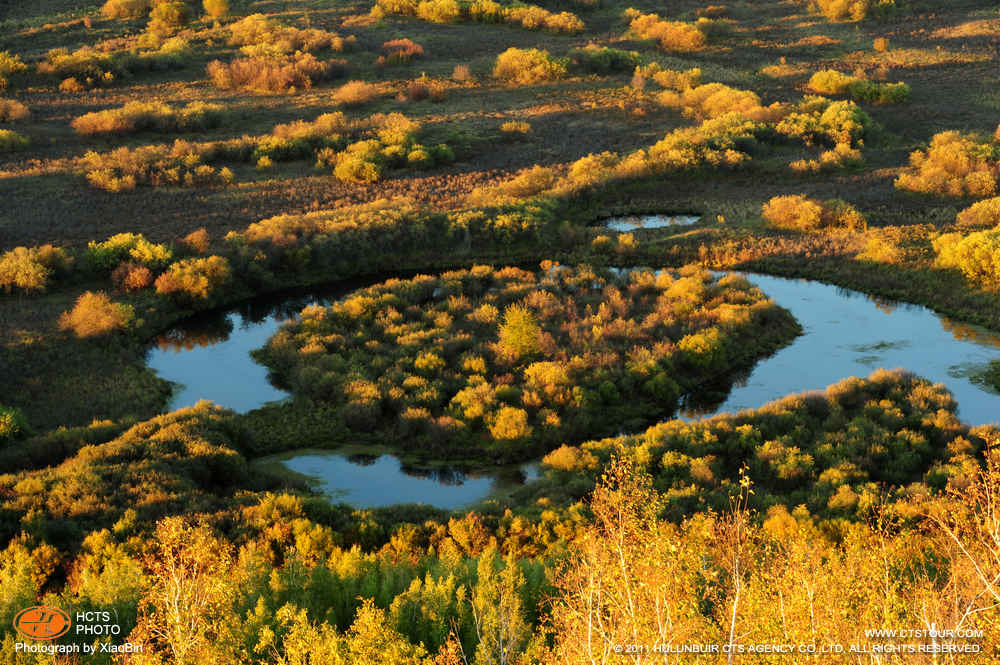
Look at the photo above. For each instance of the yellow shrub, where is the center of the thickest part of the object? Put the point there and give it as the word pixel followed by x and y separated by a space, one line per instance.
pixel 953 165
pixel 527 66
pixel 194 279
pixel 830 82
pixel 801 213
pixel 216 8
pixel 977 255
pixel 126 9
pixel 353 93
pixel 670 35
pixel 94 315
pixel 510 423
pixel 983 213
pixel 439 11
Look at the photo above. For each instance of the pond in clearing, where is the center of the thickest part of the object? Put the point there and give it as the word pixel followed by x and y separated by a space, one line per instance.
pixel 635 222
pixel 846 333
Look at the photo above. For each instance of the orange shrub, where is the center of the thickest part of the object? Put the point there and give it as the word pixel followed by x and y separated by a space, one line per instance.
pixel 12 110
pixel 399 51
pixel 197 242
pixel 281 75
pixel 216 8
pixel 954 165
pixel 95 315
pixel 670 35
pixel 131 276
pixel 462 73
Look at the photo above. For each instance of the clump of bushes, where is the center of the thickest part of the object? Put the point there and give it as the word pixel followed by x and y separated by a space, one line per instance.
pixel 527 16
pixel 216 9
pixel 389 142
pixel 12 110
pixel 515 128
pixel 399 52
pixel 126 9
pixel 841 156
pixel 668 78
pixel 195 279
pixel 510 361
pixel 976 255
pixel 286 74
pixel 29 269
pixel 104 257
pixel 604 60
pixel 260 36
pixel 670 35
pixel 167 16
pixel 151 116
pixel 955 164
pixel 832 82
pixel 96 315
pixel 11 141
pixel 155 165
pixel 527 66
pixel 851 10
pixel 713 100
pixel 354 93
pixel 800 213
pixel 88 67
pixel 982 213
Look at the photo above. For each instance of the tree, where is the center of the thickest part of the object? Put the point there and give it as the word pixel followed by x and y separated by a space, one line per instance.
pixel 497 611
pixel 216 8
pixel 520 334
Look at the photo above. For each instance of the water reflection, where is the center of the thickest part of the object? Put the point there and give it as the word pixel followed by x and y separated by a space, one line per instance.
pixel 635 222
pixel 369 481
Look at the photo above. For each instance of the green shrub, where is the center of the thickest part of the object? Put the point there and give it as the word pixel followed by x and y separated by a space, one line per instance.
pixel 13 424
pixel 103 257
pixel 976 255
pixel 11 141
pixel 527 66
pixel 604 60
pixel 95 315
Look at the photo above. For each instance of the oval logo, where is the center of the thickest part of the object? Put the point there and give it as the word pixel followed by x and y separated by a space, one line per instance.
pixel 42 622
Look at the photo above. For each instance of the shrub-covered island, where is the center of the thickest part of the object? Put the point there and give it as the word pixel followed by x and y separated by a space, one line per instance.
pixel 514 362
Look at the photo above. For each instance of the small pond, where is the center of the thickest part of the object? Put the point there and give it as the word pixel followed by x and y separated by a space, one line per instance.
pixel 372 481
pixel 634 222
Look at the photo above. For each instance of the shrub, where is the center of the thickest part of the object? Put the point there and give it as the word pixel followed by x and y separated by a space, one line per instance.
pixel 983 213
pixel 10 63
pixel 462 74
pixel 216 9
pixel 126 9
pixel 262 36
pixel 354 93
pixel 879 93
pixel 976 255
pixel 151 116
pixel 131 276
pixel 953 165
pixel 194 279
pixel 604 60
pixel 278 75
pixel 11 141
pixel 510 423
pixel 881 44
pixel 156 165
pixel 71 85
pixel 852 10
pixel 12 110
pixel 714 100
pixel 800 213
pixel 527 66
pixel 103 257
pixel 533 18
pixel 167 16
pixel 670 35
pixel 13 424
pixel 30 269
pixel 196 242
pixel 520 334
pixel 399 51
pixel 439 11
pixel 95 315
pixel 517 128
pixel 830 82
